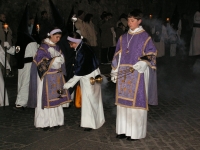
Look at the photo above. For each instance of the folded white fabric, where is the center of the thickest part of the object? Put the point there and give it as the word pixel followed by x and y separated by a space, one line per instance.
pixel 140 66
pixel 57 63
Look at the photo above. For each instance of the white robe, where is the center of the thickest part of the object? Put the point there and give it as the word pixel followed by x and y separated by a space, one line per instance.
pixel 92 114
pixel 2 61
pixel 2 58
pixel 195 44
pixel 2 92
pixel 47 117
pixel 24 76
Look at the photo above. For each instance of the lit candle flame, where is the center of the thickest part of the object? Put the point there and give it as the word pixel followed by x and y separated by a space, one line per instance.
pixel 150 16
pixel 5 26
pixel 167 19
pixel 38 27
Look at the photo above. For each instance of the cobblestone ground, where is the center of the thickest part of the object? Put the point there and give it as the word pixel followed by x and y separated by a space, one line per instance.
pixel 172 125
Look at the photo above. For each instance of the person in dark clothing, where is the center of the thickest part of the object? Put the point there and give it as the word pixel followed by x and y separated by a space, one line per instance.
pixel 45 25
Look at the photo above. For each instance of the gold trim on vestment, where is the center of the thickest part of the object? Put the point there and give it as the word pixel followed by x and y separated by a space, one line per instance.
pixel 55 99
pixel 135 93
pixel 136 89
pixel 120 50
pixel 41 48
pixel 48 68
pixel 131 106
pixel 47 93
pixel 58 105
pixel 145 44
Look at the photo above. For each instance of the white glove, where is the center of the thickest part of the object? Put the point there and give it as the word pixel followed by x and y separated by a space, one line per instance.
pixel 72 82
pixel 6 44
pixel 66 86
pixel 114 75
pixel 140 66
pixel 114 79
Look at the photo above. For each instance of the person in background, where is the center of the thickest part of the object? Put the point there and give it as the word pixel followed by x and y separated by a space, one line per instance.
pixel 30 25
pixel 9 40
pixel 108 41
pixel 81 25
pixel 195 44
pixel 92 33
pixel 119 31
pixel 159 36
pixel 45 25
pixel 11 50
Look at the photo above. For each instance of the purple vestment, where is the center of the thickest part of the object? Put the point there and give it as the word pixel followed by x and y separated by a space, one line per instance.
pixel 130 90
pixel 53 79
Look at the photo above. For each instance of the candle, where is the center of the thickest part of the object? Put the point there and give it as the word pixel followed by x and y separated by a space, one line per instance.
pixel 150 16
pixel 167 19
pixel 5 27
pixel 38 28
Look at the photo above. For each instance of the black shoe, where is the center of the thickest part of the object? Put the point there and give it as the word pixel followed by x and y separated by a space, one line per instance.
pixel 56 127
pixel 121 136
pixel 19 108
pixel 87 129
pixel 46 128
pixel 129 139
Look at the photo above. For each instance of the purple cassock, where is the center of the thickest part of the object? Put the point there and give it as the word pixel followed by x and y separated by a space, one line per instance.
pixel 130 90
pixel 53 79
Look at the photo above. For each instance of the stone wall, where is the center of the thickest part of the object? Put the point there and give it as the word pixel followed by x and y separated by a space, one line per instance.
pixel 14 8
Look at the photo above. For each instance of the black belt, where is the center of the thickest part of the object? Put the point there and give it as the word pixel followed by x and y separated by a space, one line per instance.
pixel 28 59
pixel 197 25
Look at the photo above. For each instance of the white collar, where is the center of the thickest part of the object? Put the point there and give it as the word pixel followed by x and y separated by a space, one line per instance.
pixel 47 40
pixel 136 29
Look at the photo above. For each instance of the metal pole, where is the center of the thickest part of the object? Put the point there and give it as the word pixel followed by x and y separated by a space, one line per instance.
pixel 4 98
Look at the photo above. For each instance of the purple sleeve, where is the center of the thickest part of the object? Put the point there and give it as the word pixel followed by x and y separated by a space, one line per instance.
pixel 150 52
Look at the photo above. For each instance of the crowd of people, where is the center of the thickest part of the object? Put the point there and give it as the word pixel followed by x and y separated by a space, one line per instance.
pixel 50 69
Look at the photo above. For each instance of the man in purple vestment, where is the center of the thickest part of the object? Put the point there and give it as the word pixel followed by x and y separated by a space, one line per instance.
pixel 134 71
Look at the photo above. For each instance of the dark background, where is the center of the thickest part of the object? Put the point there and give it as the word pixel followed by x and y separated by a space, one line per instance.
pixel 14 8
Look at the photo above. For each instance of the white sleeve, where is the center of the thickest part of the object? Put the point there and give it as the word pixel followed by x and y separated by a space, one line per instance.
pixel 72 82
pixel 114 72
pixel 140 66
pixel 11 50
